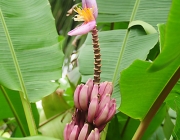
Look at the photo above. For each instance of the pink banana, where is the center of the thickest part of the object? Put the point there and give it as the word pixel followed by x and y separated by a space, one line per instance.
pixel 111 113
pixel 83 132
pixel 90 84
pixel 91 135
pixel 74 133
pixel 68 129
pixel 76 96
pixel 97 134
pixel 83 98
pixel 94 92
pixel 93 106
pixel 102 103
pixel 101 117
pixel 102 87
pixel 108 90
pixel 66 135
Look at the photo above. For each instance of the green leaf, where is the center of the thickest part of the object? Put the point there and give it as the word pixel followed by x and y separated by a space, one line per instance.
pixel 149 29
pixel 130 129
pixel 152 12
pixel 54 104
pixel 30 138
pixel 171 43
pixel 143 86
pixel 168 127
pixel 140 88
pixel 54 127
pixel 30 55
pixel 174 96
pixel 113 133
pixel 176 131
pixel 158 134
pixel 74 76
pixel 161 29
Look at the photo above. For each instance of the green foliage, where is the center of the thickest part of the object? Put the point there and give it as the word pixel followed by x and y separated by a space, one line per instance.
pixel 139 43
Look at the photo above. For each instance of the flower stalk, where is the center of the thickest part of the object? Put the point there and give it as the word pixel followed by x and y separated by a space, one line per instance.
pixel 97 56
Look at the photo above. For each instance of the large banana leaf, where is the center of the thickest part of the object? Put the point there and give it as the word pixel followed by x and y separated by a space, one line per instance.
pixel 30 55
pixel 143 86
pixel 119 48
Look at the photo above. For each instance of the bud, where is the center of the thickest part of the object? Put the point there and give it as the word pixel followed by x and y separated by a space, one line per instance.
pixel 94 92
pixel 83 98
pixel 101 117
pixel 93 106
pixel 83 132
pixel 74 133
pixel 91 135
pixel 76 96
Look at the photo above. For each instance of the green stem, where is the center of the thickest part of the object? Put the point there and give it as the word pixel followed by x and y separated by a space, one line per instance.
pixel 146 121
pixel 29 115
pixel 13 111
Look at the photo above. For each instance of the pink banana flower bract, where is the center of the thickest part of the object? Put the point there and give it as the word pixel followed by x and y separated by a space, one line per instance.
pixel 88 14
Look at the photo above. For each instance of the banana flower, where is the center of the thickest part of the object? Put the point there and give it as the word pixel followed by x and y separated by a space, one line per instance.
pixel 88 14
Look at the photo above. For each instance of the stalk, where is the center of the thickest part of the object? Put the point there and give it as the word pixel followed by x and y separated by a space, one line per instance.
pixel 97 56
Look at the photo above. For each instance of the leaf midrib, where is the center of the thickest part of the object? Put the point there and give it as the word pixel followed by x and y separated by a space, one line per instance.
pixel 13 54
pixel 116 72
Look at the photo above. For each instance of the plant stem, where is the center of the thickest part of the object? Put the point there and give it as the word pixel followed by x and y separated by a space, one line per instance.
pixel 145 122
pixel 29 115
pixel 97 56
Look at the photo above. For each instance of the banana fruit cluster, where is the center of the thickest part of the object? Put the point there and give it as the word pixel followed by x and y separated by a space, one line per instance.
pixel 94 109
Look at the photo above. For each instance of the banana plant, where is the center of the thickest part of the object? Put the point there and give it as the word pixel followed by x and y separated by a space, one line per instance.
pixel 129 48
